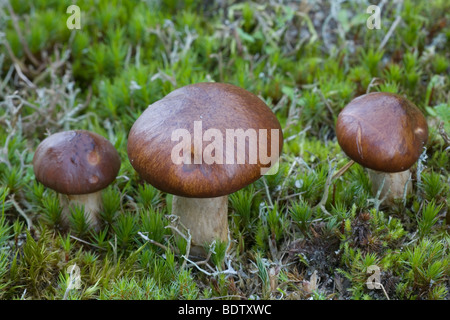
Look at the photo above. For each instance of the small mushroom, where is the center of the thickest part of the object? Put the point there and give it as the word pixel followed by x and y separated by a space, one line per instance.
pixel 77 164
pixel 385 133
pixel 181 145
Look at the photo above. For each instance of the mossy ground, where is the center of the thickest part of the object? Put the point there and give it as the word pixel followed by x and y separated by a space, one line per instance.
pixel 306 59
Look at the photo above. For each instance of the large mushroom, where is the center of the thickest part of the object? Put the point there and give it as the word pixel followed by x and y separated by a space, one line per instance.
pixel 77 164
pixel 201 143
pixel 385 133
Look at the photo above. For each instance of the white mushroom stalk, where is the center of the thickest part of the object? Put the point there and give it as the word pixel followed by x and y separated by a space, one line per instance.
pixel 91 204
pixel 205 218
pixel 391 186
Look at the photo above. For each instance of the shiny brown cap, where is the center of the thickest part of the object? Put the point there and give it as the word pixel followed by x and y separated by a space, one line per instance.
pixel 382 131
pixel 76 162
pixel 216 106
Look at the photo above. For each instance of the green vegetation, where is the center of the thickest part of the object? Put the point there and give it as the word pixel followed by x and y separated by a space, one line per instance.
pixel 294 235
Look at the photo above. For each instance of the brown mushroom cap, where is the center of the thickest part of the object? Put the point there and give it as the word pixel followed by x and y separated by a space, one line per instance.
pixel 76 162
pixel 382 131
pixel 218 106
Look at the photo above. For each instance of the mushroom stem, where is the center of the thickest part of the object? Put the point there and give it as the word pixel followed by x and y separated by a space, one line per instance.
pixel 396 184
pixel 92 203
pixel 205 218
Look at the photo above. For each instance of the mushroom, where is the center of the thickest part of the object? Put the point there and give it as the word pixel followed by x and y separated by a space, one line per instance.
pixel 77 164
pixel 184 145
pixel 385 133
